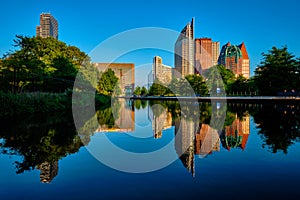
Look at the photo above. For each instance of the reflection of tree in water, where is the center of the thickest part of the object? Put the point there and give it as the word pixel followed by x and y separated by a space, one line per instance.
pixel 279 125
pixel 40 140
pixel 138 104
pixel 144 104
pixel 108 115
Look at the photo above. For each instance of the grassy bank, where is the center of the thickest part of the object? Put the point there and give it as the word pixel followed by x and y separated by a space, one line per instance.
pixel 37 102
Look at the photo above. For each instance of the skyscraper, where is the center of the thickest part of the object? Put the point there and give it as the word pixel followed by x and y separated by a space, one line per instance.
pixel 235 58
pixel 184 51
pixel 245 62
pixel 206 54
pixel 215 52
pixel 48 26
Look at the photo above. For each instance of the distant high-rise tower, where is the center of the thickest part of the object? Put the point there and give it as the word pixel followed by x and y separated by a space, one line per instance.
pixel 160 71
pixel 235 58
pixel 184 51
pixel 48 26
pixel 246 61
pixel 215 52
pixel 206 54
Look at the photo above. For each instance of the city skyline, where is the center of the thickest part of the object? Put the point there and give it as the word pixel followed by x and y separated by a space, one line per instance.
pixel 81 30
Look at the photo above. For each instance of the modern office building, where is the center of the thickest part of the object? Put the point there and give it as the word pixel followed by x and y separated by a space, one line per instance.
pixel 215 53
pixel 245 62
pixel 161 72
pixel 206 54
pixel 235 58
pixel 48 26
pixel 124 72
pixel 184 51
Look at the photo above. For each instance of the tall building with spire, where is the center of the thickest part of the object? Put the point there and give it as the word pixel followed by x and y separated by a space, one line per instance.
pixel 184 51
pixel 235 58
pixel 48 26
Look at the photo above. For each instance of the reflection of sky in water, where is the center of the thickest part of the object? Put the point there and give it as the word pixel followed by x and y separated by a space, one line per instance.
pixel 141 118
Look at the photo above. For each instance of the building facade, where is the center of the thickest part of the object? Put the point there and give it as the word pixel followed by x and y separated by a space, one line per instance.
pixel 235 58
pixel 124 72
pixel 206 54
pixel 161 72
pixel 215 52
pixel 48 26
pixel 184 51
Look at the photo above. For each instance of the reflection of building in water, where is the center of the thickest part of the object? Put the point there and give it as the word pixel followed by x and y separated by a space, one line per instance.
pixel 236 135
pixel 160 123
pixel 184 142
pixel 124 122
pixel 48 171
pixel 188 159
pixel 207 140
pixel 194 139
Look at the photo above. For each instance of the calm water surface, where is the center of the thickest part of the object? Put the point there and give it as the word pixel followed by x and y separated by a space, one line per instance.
pixel 233 151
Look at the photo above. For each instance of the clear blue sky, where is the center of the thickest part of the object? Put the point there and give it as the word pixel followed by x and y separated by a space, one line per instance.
pixel 261 24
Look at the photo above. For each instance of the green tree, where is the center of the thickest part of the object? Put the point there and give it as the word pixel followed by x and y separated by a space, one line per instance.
pixel 38 62
pixel 144 91
pixel 137 91
pixel 218 77
pixel 278 72
pixel 108 83
pixel 240 86
pixel 157 88
pixel 198 84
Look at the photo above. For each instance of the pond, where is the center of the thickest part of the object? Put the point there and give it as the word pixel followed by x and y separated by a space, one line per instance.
pixel 154 149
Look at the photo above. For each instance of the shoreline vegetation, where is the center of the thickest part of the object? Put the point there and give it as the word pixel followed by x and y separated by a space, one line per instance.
pixel 39 77
pixel 41 103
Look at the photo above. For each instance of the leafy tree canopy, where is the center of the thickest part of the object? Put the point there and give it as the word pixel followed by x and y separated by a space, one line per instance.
pixel 108 83
pixel 43 64
pixel 278 72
